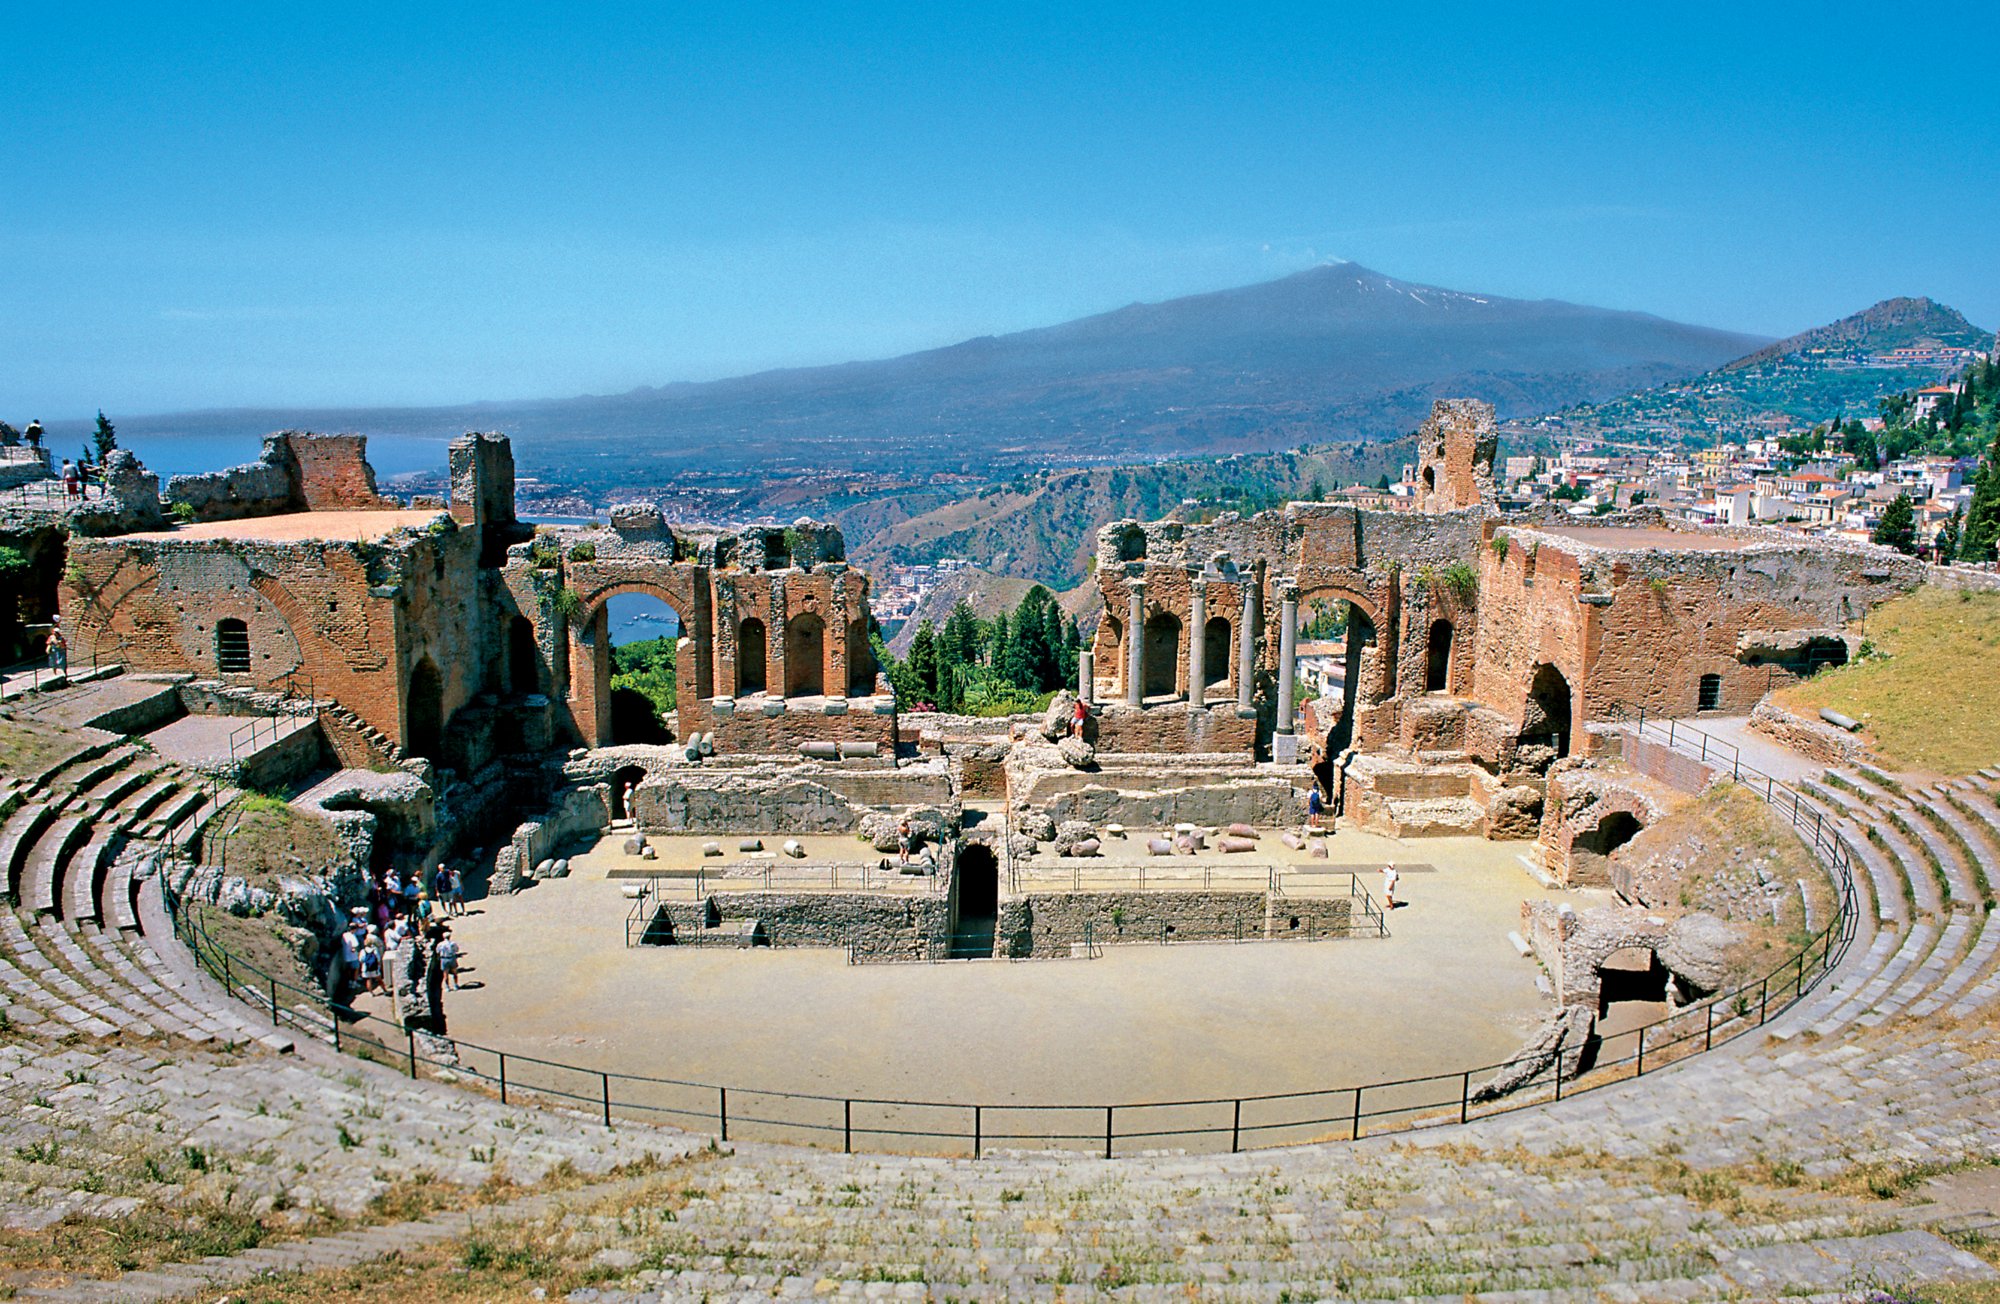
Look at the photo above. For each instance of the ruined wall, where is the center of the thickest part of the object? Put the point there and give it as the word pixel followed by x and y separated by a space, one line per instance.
pixel 1052 923
pixel 1581 796
pixel 876 928
pixel 297 471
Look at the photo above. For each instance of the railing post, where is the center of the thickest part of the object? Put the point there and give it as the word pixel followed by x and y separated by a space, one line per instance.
pixel 411 1033
pixel 1465 1096
pixel 1708 1033
pixel 1559 1075
pixel 503 1077
pixel 1764 1002
pixel 722 1111
pixel 1236 1129
pixel 976 1130
pixel 228 983
pixel 1639 1069
pixel 847 1127
pixel 274 1002
pixel 1355 1135
pixel 1108 1111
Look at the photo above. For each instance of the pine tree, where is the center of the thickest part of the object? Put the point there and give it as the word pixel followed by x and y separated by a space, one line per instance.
pixel 105 437
pixel 1898 526
pixel 9 437
pixel 998 650
pixel 961 634
pixel 1071 654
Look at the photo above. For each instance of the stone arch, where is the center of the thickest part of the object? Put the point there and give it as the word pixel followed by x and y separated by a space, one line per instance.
pixel 805 655
pixel 1111 651
pixel 1363 638
pixel 753 654
pixel 1162 654
pixel 1437 657
pixel 1546 716
pixel 423 711
pixel 590 651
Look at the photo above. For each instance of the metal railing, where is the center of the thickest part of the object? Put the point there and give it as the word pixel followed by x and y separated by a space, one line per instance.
pixel 970 1127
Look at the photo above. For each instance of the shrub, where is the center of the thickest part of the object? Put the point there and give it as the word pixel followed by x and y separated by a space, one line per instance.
pixel 583 552
pixel 568 603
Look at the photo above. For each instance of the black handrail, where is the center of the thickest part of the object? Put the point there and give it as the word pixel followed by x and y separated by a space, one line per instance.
pixel 1718 1019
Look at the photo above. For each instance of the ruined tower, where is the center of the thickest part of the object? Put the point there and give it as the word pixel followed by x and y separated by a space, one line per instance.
pixel 1455 448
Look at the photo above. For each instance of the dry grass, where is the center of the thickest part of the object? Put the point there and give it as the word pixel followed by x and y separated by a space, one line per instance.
pixel 27 749
pixel 262 839
pixel 1929 702
pixel 1705 854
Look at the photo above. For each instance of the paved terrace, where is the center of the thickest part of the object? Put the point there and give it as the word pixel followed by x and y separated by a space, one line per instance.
pixel 293 527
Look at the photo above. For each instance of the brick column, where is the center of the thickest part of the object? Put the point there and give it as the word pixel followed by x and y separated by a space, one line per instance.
pixel 1246 645
pixel 1135 643
pixel 1288 647
pixel 1197 640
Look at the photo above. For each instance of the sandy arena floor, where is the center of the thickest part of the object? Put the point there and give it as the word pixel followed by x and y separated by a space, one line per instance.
pixel 550 975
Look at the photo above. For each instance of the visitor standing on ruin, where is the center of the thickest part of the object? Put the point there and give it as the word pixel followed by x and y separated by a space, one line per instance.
pixel 371 963
pixel 1077 718
pixel 1314 808
pixel 447 954
pixel 455 898
pixel 903 843
pixel 71 482
pixel 1389 880
pixel 58 652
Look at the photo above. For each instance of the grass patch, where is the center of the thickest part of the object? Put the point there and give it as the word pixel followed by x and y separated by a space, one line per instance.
pixel 1927 701
pixel 261 838
pixel 27 749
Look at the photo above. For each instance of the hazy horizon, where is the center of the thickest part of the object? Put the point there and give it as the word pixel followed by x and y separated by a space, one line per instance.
pixel 221 208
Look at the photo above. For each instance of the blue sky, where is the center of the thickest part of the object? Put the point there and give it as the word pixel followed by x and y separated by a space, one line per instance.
pixel 259 205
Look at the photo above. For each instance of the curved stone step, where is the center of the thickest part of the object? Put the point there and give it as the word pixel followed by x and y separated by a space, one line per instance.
pixel 24 987
pixel 1915 946
pixel 1944 959
pixel 43 866
pixel 17 835
pixel 1978 964
pixel 1890 907
pixel 52 977
pixel 1958 890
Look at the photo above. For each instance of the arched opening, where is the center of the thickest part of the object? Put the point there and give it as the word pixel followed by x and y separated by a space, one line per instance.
pixel 860 660
pixel 978 877
pixel 1437 658
pixel 1360 640
pixel 423 735
pixel 1215 652
pixel 1430 479
pixel 1632 978
pixel 1545 718
pixel 524 672
pixel 805 655
pixel 232 647
pixel 1162 654
pixel 1110 664
pixel 1708 697
pixel 624 783
pixel 752 657
pixel 644 633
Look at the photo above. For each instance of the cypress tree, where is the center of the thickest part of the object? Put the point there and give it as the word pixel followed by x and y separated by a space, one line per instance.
pixel 1982 518
pixel 1947 539
pixel 105 436
pixel 924 663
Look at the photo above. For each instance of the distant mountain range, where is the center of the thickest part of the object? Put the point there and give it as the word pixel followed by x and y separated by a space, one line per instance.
pixel 1336 352
pixel 1841 370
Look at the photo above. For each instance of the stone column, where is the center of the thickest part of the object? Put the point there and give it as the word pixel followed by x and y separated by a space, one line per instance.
pixel 1135 643
pixel 1086 676
pixel 1197 669
pixel 1288 647
pixel 1246 645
